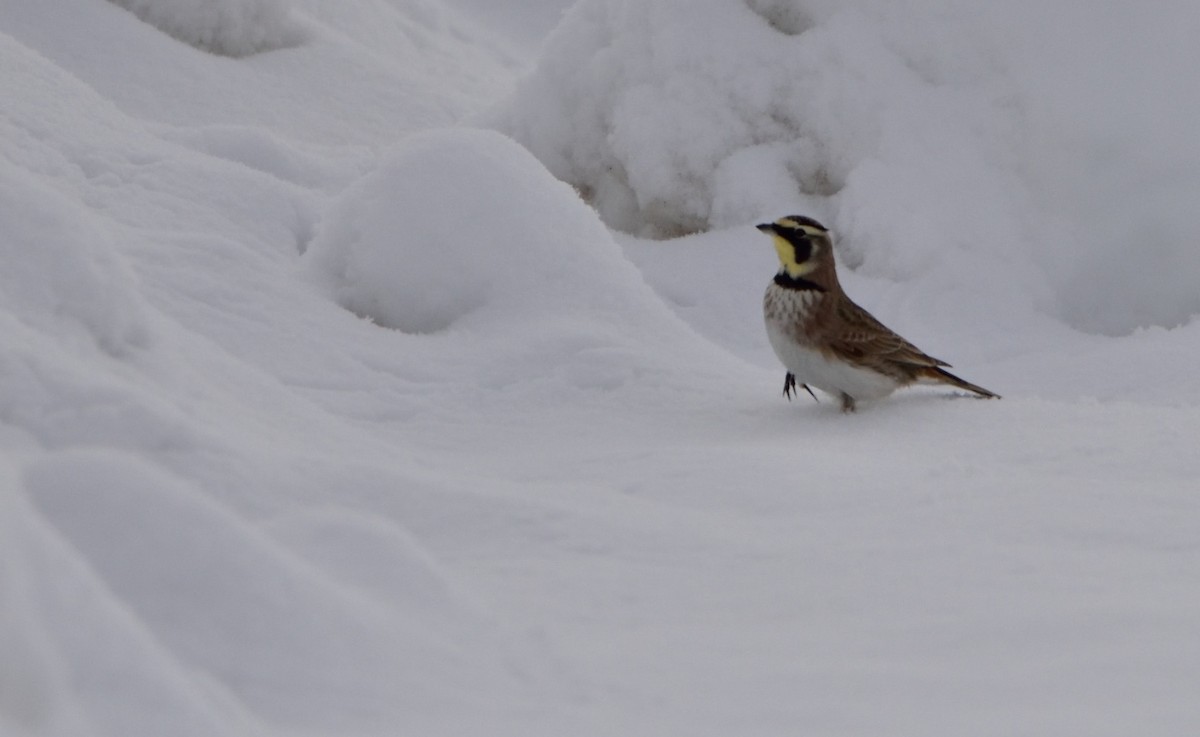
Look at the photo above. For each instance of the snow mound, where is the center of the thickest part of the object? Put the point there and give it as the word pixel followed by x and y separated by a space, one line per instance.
pixel 464 223
pixel 227 27
pixel 647 108
pixel 924 133
pixel 498 273
pixel 1110 150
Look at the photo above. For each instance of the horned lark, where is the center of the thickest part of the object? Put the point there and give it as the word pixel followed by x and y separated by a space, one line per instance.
pixel 826 340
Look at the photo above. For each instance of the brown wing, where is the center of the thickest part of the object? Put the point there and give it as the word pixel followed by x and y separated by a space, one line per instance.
pixel 855 336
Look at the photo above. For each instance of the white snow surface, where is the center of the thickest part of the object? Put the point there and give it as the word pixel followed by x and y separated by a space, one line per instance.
pixel 878 116
pixel 325 410
pixel 230 27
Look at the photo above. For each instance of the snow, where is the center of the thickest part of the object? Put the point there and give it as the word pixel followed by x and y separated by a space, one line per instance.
pixel 230 27
pixel 461 223
pixel 878 117
pixel 61 272
pixel 344 391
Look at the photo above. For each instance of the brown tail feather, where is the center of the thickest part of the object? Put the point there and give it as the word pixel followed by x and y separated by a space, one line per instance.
pixel 941 375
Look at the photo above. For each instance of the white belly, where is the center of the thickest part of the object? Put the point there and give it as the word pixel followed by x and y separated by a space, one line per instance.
pixel 812 368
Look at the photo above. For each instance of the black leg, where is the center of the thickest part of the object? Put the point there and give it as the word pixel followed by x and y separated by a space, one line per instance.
pixel 789 388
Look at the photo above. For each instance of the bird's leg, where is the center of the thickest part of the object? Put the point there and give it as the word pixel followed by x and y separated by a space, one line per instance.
pixel 789 386
pixel 847 402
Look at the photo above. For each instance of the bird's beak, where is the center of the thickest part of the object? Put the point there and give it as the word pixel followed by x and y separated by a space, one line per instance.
pixel 766 227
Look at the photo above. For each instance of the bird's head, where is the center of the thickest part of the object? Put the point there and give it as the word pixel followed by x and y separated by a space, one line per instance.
pixel 803 244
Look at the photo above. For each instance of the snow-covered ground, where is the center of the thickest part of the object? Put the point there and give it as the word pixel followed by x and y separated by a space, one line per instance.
pixel 329 407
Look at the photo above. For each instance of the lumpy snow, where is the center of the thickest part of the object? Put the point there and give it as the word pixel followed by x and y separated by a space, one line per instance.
pixel 879 117
pixel 351 383
pixel 462 223
pixel 230 27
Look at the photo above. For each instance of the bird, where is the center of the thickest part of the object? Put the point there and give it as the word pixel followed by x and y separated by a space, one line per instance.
pixel 824 339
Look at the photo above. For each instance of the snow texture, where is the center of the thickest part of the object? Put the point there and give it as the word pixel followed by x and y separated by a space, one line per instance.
pixel 323 412
pixel 457 223
pixel 674 117
pixel 229 27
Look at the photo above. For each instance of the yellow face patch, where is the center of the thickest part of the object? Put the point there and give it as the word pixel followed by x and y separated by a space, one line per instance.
pixel 787 257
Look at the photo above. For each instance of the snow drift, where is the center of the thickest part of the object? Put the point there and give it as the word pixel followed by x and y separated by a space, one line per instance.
pixel 459 222
pixel 876 117
pixel 463 234
pixel 322 415
pixel 144 588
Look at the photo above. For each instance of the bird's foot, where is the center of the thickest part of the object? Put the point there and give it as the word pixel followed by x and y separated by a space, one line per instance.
pixel 790 384
pixel 847 403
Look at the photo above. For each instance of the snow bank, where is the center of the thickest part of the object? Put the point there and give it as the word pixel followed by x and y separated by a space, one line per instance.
pixel 465 223
pixel 917 130
pixel 229 27
pixel 539 505
pixel 664 112
pixel 1104 121
pixel 462 233
pixel 147 272
pixel 460 222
